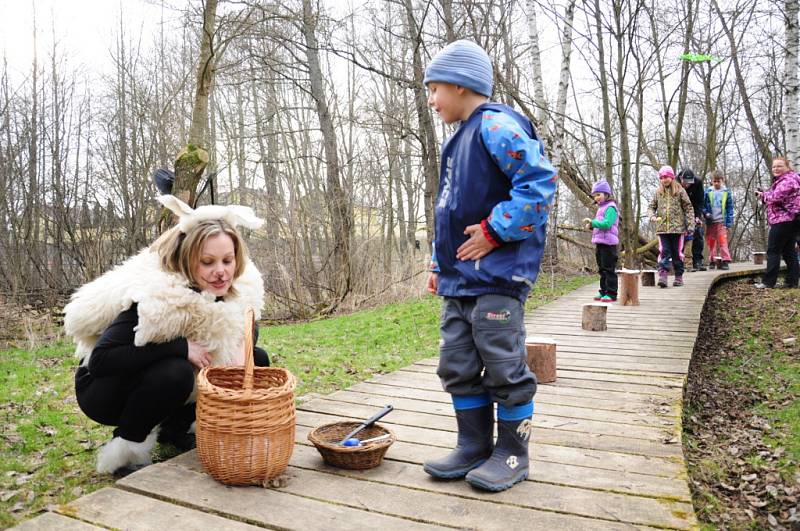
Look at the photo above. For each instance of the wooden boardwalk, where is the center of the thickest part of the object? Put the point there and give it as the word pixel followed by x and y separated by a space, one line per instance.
pixel 606 446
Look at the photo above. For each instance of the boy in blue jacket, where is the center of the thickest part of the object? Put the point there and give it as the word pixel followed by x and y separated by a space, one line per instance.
pixel 495 192
pixel 718 213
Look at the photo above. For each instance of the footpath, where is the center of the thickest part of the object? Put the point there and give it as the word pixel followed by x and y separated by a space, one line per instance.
pixel 606 445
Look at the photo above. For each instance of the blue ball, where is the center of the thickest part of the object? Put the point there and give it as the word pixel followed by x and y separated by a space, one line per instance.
pixel 352 441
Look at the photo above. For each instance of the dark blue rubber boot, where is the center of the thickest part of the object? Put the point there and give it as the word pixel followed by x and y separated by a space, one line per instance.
pixel 475 418
pixel 508 464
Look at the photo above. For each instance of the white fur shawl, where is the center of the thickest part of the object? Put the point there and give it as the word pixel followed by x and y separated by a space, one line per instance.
pixel 168 308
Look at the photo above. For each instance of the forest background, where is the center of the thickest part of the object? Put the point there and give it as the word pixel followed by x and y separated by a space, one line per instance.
pixel 314 114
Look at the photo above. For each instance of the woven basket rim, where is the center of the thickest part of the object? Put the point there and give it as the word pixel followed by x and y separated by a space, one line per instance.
pixel 209 388
pixel 319 443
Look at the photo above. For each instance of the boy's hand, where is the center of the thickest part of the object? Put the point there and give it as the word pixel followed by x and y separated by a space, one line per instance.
pixel 476 247
pixel 433 282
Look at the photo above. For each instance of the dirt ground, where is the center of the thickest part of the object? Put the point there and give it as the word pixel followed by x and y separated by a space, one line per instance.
pixel 741 475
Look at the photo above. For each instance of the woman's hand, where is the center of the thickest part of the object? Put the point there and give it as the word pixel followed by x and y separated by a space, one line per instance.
pixel 198 355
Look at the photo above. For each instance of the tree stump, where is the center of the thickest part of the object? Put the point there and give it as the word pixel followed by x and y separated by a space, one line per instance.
pixel 758 257
pixel 718 261
pixel 542 358
pixel 649 278
pixel 628 287
pixel 594 317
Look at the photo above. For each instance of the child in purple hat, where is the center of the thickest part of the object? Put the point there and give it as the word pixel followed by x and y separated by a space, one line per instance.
pixel 605 236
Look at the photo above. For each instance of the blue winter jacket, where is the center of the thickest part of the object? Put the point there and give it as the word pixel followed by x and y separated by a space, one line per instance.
pixel 493 173
pixel 727 205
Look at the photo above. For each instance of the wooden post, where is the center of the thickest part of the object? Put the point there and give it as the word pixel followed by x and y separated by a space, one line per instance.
pixel 758 257
pixel 542 358
pixel 594 317
pixel 649 278
pixel 629 287
pixel 718 261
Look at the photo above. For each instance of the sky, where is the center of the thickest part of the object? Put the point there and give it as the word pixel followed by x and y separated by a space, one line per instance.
pixel 83 29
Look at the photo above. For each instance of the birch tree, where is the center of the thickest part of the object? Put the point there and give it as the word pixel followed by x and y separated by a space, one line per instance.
pixel 791 86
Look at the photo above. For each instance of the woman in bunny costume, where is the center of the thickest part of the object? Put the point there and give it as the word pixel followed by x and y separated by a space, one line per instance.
pixel 144 328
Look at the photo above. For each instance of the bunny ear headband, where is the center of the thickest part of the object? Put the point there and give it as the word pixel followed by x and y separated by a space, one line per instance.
pixel 188 217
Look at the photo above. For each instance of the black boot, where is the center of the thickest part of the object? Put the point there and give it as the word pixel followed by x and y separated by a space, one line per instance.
pixel 509 462
pixel 474 444
pixel 175 429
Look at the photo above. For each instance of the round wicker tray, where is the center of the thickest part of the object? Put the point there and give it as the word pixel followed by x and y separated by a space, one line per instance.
pixel 327 438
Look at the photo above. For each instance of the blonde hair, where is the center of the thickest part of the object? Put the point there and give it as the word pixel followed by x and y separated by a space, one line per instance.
pixel 674 187
pixel 785 161
pixel 180 252
pixel 716 174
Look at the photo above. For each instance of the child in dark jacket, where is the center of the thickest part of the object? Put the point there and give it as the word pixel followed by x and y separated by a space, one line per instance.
pixel 495 192
pixel 605 236
pixel 718 214
pixel 693 185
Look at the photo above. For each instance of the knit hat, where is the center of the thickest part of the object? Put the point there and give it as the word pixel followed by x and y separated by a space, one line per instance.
pixel 462 63
pixel 601 186
pixel 666 171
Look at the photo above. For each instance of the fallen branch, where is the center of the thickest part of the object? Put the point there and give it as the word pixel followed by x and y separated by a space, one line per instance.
pixel 574 241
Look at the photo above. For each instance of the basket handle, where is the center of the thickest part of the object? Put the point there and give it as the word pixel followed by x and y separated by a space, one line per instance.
pixel 249 362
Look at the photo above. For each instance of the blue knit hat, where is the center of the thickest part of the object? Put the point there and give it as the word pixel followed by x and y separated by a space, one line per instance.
pixel 462 63
pixel 601 186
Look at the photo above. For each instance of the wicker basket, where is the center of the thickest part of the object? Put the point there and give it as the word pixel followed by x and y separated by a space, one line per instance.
pixel 327 438
pixel 245 419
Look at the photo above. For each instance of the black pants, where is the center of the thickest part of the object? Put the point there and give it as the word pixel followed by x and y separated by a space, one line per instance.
pixel 781 243
pixel 136 403
pixel 671 246
pixel 697 245
pixel 606 256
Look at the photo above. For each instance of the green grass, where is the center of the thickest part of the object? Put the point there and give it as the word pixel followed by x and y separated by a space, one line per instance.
pixel 752 359
pixel 766 366
pixel 47 443
pixel 49 446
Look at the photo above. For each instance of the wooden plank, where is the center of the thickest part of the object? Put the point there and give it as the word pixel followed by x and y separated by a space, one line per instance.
pixel 368 490
pixel 402 489
pixel 564 385
pixel 50 521
pixel 545 470
pixel 118 509
pixel 546 394
pixel 647 418
pixel 425 496
pixel 356 411
pixel 566 378
pixel 552 436
pixel 265 507
pixel 634 366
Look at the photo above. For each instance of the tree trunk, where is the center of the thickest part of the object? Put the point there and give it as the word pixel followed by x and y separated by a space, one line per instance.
pixel 740 83
pixel 791 86
pixel 337 203
pixel 674 154
pixel 601 62
pixel 430 152
pixel 192 160
pixel 536 65
pixel 630 226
